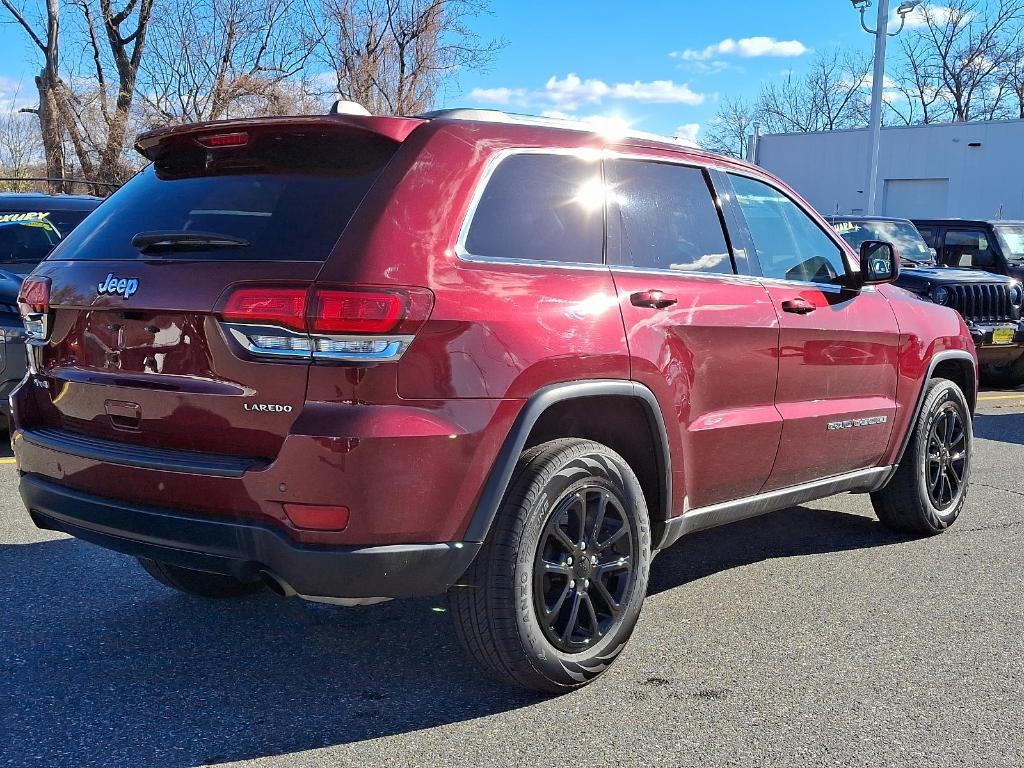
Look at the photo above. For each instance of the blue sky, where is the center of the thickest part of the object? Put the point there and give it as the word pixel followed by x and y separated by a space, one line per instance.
pixel 660 66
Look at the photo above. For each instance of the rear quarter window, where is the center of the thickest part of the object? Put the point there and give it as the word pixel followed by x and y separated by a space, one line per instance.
pixel 540 207
pixel 289 196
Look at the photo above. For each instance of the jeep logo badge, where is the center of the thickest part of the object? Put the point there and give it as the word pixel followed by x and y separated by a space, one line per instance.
pixel 118 286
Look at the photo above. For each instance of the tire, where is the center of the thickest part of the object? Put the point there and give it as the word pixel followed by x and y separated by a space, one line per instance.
pixel 533 562
pixel 198 583
pixel 920 497
pixel 1015 374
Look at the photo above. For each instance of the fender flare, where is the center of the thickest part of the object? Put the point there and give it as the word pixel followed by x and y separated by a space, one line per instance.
pixel 939 357
pixel 504 465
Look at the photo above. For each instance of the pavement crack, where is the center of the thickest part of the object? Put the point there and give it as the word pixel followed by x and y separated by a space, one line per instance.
pixel 997 488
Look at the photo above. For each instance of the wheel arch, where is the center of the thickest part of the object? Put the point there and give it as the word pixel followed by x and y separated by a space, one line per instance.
pixel 551 409
pixel 958 366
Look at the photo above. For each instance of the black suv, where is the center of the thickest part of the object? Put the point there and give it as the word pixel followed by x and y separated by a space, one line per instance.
pixel 990 303
pixel 994 246
pixel 31 225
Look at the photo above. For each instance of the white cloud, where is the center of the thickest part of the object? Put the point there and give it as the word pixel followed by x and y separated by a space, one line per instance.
pixel 572 91
pixel 940 15
pixel 745 48
pixel 498 95
pixel 687 132
pixel 14 94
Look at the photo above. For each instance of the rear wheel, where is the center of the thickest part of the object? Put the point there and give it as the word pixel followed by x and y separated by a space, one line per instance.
pixel 200 583
pixel 929 489
pixel 556 590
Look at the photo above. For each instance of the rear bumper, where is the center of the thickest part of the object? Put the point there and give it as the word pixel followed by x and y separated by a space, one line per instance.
pixel 245 550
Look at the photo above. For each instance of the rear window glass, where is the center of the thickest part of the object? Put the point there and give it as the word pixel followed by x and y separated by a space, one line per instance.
pixel 541 207
pixel 26 237
pixel 282 198
pixel 667 218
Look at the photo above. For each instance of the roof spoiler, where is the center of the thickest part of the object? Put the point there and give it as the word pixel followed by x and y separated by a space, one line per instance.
pixel 397 129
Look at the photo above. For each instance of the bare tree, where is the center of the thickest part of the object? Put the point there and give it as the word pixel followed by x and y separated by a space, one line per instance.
pixel 93 116
pixel 213 59
pixel 728 132
pixel 954 65
pixel 21 149
pixel 831 95
pixel 48 85
pixel 392 56
pixel 1013 80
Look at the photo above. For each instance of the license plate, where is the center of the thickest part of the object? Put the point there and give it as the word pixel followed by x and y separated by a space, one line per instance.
pixel 1003 336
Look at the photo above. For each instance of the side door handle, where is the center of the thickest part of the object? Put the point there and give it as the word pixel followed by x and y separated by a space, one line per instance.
pixel 654 299
pixel 798 306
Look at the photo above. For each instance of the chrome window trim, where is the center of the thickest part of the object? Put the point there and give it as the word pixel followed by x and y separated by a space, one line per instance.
pixel 601 155
pixel 485 178
pixel 598 155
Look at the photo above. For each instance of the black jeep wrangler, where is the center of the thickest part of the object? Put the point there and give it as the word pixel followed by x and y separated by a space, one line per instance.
pixel 990 303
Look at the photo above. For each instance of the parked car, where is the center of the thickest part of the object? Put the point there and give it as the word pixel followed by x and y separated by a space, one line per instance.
pixel 357 358
pixel 31 225
pixel 990 303
pixel 993 246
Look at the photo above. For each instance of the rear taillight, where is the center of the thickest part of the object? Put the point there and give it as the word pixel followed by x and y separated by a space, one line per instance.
pixel 343 311
pixel 325 323
pixel 34 305
pixel 277 306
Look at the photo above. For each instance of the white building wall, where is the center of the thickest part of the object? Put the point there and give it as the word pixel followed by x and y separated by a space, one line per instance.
pixel 924 171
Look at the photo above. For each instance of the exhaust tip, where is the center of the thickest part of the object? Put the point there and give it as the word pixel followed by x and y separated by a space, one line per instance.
pixel 276 585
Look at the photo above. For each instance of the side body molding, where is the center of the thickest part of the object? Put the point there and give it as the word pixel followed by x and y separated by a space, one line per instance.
pixel 504 465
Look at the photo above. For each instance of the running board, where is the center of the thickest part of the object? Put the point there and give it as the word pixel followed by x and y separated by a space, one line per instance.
pixel 702 518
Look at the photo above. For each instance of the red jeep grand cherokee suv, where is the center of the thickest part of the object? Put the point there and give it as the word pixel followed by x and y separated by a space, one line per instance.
pixel 354 358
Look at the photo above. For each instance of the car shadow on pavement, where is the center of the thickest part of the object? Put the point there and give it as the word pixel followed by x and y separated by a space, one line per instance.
pixel 1000 427
pixel 791 532
pixel 100 665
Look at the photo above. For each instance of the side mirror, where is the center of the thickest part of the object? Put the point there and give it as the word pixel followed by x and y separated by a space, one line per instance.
pixel 879 263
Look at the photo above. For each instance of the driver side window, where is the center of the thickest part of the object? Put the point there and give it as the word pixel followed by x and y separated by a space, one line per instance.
pixel 789 245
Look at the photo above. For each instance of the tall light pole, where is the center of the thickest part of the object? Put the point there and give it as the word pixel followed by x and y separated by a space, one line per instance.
pixel 882 35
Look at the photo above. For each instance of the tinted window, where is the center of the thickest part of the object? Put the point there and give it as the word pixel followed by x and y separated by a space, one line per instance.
pixel 967 248
pixel 289 197
pixel 902 234
pixel 667 218
pixel 1011 237
pixel 27 236
pixel 930 236
pixel 789 245
pixel 542 207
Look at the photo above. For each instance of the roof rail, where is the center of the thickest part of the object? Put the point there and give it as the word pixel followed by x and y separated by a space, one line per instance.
pixel 513 118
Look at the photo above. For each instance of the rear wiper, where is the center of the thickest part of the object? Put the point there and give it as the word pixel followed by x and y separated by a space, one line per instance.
pixel 155 242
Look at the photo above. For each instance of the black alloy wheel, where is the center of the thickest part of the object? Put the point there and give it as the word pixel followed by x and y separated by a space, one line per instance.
pixel 583 570
pixel 946 457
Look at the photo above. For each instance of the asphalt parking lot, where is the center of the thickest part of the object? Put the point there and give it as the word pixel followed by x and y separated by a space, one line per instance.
pixel 809 637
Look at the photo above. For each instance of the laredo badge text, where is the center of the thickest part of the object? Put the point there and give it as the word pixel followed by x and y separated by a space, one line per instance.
pixel 869 421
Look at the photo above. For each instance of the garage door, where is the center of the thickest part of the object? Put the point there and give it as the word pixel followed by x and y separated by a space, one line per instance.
pixel 916 198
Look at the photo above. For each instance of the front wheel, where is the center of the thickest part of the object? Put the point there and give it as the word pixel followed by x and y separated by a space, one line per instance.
pixel 557 588
pixel 929 489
